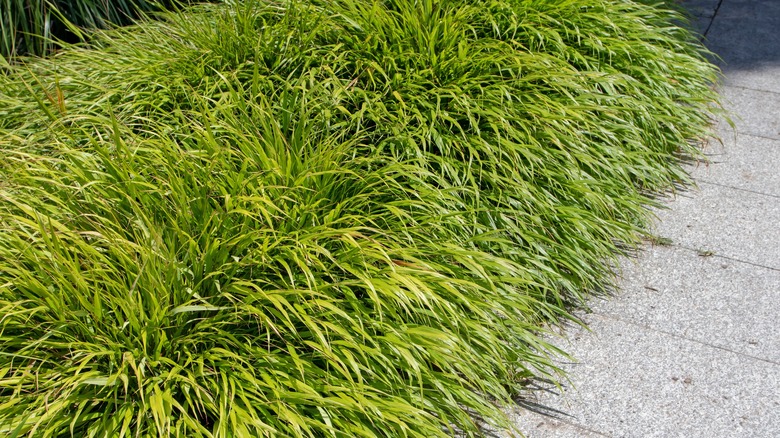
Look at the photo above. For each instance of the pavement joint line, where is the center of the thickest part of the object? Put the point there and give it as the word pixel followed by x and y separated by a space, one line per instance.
pixel 698 251
pixel 685 338
pixel 777 138
pixel 712 20
pixel 753 134
pixel 691 192
pixel 707 155
pixel 764 137
pixel 771 195
pixel 573 424
pixel 742 87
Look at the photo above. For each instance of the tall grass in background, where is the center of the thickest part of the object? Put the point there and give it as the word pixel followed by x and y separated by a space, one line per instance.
pixel 319 218
pixel 30 27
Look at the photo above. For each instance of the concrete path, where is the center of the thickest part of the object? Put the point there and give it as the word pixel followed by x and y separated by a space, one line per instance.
pixel 690 347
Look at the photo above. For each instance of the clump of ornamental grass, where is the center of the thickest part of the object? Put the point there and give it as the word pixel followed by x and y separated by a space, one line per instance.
pixel 244 275
pixel 325 218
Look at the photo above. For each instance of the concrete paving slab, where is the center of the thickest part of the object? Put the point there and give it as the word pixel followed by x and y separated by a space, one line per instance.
pixel 746 45
pixel 716 301
pixel 750 53
pixel 742 161
pixel 635 382
pixel 701 8
pixel 701 13
pixel 727 222
pixel 699 25
pixel 761 77
pixel 755 112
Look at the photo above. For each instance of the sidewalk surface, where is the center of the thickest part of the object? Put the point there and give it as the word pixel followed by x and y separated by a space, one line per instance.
pixel 690 346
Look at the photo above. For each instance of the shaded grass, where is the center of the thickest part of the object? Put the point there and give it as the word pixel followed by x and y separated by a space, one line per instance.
pixel 325 218
pixel 32 27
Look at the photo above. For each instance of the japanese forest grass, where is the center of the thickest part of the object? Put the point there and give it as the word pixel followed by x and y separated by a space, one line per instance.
pixel 325 218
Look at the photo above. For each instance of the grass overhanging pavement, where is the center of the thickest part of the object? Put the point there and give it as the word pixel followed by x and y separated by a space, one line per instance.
pixel 325 218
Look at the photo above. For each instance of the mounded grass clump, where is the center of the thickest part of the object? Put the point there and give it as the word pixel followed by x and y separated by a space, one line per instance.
pixel 325 218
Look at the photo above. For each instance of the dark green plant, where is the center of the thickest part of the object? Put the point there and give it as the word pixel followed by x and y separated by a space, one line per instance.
pixel 30 27
pixel 325 218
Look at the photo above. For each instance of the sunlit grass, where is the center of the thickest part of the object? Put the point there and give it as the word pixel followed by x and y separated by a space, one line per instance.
pixel 325 218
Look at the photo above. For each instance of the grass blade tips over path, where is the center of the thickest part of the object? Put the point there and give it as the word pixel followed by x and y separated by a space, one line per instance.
pixel 325 218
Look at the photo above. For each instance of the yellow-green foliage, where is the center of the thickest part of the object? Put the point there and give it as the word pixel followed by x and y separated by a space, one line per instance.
pixel 325 218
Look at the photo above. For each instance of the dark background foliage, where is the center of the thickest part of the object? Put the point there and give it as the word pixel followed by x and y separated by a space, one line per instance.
pixel 29 27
